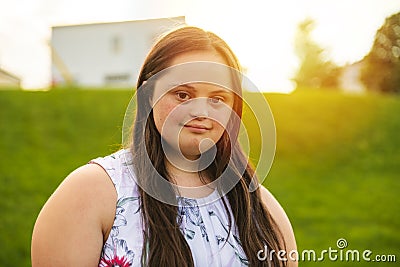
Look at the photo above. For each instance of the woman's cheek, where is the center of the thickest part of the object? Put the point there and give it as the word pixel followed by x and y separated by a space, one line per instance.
pixel 162 113
pixel 221 117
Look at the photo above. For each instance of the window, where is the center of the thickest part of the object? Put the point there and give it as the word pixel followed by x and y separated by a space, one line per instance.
pixel 116 44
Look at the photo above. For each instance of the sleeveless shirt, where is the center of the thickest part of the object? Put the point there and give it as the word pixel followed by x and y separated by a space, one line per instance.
pixel 203 222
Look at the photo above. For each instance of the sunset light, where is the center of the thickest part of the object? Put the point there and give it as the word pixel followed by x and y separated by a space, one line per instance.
pixel 260 32
pixel 199 133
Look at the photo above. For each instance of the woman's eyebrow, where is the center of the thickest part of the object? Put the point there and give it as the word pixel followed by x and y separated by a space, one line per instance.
pixel 194 89
pixel 188 86
pixel 222 91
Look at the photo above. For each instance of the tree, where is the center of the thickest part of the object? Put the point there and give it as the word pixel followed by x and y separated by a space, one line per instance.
pixel 381 71
pixel 315 71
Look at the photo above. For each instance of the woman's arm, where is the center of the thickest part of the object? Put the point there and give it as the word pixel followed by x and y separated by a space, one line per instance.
pixel 71 227
pixel 280 217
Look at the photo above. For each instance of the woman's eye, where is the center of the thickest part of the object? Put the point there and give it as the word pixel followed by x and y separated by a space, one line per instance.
pixel 183 95
pixel 216 100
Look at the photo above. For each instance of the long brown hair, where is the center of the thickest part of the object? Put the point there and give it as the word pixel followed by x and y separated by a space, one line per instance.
pixel 164 244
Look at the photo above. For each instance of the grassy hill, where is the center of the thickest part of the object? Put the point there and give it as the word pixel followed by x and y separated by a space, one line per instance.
pixel 336 169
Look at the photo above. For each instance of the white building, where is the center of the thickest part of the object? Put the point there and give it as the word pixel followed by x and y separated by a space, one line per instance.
pixel 104 54
pixel 8 80
pixel 349 81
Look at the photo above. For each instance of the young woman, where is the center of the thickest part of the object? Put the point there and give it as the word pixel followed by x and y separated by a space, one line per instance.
pixel 179 195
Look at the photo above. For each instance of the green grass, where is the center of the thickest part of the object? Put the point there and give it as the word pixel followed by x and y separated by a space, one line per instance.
pixel 335 171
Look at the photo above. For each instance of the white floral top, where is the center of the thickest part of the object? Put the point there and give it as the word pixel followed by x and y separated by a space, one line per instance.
pixel 204 223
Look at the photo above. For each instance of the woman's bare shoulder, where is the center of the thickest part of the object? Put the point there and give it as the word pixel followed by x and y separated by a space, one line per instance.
pixel 73 223
pixel 280 217
pixel 88 187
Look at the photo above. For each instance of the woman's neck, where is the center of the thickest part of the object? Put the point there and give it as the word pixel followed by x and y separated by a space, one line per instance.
pixel 190 183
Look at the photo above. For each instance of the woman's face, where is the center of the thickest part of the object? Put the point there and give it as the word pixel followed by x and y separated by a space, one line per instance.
pixel 192 117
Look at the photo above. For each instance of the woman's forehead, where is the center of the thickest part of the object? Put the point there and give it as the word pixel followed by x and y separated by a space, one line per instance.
pixel 198 55
pixel 193 74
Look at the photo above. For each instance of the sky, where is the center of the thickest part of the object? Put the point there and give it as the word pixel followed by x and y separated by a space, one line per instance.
pixel 261 32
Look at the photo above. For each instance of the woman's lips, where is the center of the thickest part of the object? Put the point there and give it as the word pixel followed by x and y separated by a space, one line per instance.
pixel 197 128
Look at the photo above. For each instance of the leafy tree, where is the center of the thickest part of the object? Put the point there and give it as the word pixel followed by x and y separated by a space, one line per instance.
pixel 315 71
pixel 381 71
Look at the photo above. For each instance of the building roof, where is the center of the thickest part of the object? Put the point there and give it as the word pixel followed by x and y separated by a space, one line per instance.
pixel 179 18
pixel 9 76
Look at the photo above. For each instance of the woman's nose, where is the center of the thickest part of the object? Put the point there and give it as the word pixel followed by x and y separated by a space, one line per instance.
pixel 198 107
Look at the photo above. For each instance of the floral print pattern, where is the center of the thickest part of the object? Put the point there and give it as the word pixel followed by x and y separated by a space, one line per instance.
pixel 204 226
pixel 189 209
pixel 118 254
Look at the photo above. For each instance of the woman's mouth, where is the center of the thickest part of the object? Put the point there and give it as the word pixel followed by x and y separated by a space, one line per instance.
pixel 197 128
